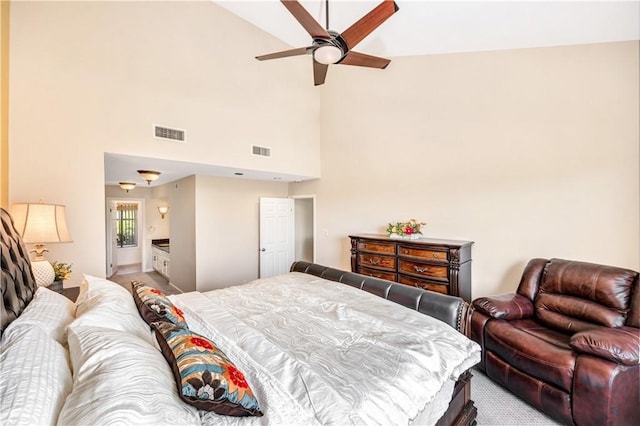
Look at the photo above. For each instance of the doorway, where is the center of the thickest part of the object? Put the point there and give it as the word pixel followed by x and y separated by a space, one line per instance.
pixel 287 233
pixel 304 226
pixel 125 237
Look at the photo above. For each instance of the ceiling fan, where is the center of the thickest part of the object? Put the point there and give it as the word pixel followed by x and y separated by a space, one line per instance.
pixel 329 47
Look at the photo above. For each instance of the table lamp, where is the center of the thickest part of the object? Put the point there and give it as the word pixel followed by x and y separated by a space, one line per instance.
pixel 41 224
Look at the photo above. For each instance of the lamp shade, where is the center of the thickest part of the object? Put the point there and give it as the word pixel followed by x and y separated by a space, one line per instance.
pixel 327 54
pixel 41 223
pixel 163 210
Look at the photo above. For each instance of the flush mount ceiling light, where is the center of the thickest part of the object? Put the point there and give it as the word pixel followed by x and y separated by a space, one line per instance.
pixel 127 185
pixel 149 175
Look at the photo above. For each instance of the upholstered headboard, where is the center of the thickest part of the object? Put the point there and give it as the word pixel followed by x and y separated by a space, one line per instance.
pixel 18 283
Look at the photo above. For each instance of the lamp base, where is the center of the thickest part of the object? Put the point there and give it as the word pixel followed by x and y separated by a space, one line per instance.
pixel 43 272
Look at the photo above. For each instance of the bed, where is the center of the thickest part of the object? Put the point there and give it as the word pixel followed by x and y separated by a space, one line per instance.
pixel 315 346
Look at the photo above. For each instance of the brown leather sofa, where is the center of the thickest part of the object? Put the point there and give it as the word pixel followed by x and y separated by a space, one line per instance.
pixel 567 341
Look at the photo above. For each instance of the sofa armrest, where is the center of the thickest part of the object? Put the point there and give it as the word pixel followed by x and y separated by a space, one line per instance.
pixel 505 306
pixel 620 344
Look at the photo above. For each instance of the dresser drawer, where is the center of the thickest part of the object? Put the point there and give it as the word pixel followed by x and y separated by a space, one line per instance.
pixel 377 274
pixel 430 254
pixel 435 264
pixel 377 247
pixel 437 272
pixel 428 285
pixel 376 261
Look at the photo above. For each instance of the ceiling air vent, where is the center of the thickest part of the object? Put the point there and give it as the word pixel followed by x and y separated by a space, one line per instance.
pixel 262 151
pixel 169 134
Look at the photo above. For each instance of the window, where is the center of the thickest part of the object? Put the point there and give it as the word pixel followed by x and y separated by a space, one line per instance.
pixel 127 225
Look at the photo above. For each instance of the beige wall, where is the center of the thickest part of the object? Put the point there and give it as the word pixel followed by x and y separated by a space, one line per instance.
pixel 182 223
pixel 304 229
pixel 529 153
pixel 93 77
pixel 227 223
pixel 4 104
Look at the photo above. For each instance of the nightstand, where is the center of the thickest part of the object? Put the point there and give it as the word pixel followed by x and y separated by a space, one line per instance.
pixel 71 293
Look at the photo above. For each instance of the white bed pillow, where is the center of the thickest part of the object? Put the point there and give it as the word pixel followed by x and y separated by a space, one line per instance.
pixel 103 303
pixel 35 378
pixel 49 311
pixel 120 379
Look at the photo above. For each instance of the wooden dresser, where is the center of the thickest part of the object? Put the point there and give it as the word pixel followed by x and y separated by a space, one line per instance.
pixel 438 265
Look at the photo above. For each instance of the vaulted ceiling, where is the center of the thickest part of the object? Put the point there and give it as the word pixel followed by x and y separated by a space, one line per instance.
pixel 423 27
pixel 419 28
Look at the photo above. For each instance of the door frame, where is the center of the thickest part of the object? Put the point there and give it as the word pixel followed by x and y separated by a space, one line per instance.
pixel 141 228
pixel 313 230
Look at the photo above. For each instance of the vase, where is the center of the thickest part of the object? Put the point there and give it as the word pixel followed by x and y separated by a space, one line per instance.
pixel 56 286
pixel 404 237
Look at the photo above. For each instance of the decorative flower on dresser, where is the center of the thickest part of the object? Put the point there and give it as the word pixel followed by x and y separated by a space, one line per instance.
pixel 410 230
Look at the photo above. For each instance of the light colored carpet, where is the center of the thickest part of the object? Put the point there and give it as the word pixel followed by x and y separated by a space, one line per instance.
pixel 498 407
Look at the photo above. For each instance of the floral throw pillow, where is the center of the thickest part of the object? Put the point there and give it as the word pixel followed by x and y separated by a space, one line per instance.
pixel 154 305
pixel 205 377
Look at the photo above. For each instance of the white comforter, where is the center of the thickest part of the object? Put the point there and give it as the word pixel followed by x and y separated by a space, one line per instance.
pixel 315 351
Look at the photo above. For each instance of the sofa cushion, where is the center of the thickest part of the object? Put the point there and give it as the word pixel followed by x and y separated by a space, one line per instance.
pixel 505 306
pixel 577 296
pixel 620 345
pixel 534 349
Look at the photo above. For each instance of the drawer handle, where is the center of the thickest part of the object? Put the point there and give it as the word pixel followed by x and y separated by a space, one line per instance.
pixel 374 261
pixel 375 275
pixel 420 270
pixel 405 251
pixel 436 255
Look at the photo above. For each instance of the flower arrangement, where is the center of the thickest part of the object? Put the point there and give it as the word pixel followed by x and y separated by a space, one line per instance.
pixel 62 270
pixel 411 227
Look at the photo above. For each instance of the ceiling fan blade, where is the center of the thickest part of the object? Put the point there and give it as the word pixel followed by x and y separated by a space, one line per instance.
pixel 362 60
pixel 319 72
pixel 369 22
pixel 312 26
pixel 285 53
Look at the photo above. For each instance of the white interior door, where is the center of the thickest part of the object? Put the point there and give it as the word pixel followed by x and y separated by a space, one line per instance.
pixel 277 243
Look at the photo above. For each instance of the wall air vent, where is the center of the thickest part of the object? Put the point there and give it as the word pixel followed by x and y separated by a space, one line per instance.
pixel 167 133
pixel 262 151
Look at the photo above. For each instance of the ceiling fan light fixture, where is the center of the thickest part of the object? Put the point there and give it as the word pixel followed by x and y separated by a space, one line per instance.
pixel 149 175
pixel 327 54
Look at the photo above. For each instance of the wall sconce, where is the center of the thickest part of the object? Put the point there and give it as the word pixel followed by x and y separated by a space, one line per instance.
pixel 127 185
pixel 149 175
pixel 163 210
pixel 40 223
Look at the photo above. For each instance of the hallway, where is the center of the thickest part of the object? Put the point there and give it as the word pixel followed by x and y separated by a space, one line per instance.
pixel 152 279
